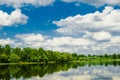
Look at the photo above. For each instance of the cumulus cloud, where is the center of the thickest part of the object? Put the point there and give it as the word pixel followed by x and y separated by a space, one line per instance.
pixel 31 40
pixel 61 41
pixel 104 41
pixel 97 27
pixel 96 3
pixel 20 3
pixel 6 41
pixel 107 20
pixel 98 36
pixel 30 37
pixel 16 17
pixel 66 44
pixel 101 36
pixel 115 39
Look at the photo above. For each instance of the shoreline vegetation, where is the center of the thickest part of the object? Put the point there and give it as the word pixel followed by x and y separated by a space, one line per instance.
pixel 11 56
pixel 53 62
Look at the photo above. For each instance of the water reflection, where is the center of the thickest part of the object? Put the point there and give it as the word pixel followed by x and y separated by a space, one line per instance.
pixel 70 71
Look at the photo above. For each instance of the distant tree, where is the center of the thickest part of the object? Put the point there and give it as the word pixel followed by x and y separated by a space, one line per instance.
pixel 114 56
pixel 4 58
pixel 106 55
pixel 14 58
pixel 7 49
pixel 16 50
pixel 0 49
pixel 25 54
pixel 42 53
pixel 89 55
pixel 118 56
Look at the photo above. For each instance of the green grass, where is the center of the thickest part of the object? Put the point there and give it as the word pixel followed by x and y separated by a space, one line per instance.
pixel 53 62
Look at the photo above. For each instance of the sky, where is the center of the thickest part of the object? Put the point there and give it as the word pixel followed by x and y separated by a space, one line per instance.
pixel 75 26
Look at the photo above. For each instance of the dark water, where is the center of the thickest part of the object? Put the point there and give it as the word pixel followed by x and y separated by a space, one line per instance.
pixel 69 71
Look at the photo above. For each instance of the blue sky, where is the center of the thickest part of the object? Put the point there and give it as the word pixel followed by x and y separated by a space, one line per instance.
pixel 62 25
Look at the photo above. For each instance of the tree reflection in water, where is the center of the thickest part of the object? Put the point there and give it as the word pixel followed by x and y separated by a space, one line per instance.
pixel 8 72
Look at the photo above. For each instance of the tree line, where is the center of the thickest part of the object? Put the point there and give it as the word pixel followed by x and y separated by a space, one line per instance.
pixel 27 54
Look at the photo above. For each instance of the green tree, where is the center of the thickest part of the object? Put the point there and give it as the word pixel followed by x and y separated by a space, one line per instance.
pixel 25 54
pixel 16 50
pixel 14 58
pixel 7 49
pixel 1 49
pixel 114 56
pixel 3 58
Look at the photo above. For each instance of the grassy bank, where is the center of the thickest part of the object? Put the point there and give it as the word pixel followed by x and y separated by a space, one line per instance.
pixel 54 62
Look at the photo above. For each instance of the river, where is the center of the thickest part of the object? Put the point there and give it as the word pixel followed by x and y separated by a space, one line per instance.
pixel 63 71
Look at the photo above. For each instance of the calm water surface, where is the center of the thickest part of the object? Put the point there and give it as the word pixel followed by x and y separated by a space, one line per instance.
pixel 76 71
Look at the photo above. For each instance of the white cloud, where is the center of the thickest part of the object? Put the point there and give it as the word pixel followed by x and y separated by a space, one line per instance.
pixel 30 37
pixel 61 41
pixel 98 27
pixel 65 43
pixel 31 40
pixel 99 36
pixel 116 40
pixel 106 40
pixel 16 17
pixel 6 41
pixel 107 20
pixel 20 3
pixel 96 3
pixel 68 44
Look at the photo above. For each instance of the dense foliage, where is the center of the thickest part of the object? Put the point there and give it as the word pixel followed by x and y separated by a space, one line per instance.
pixel 8 55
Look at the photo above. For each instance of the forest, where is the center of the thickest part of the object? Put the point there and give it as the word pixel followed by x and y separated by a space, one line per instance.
pixel 27 54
